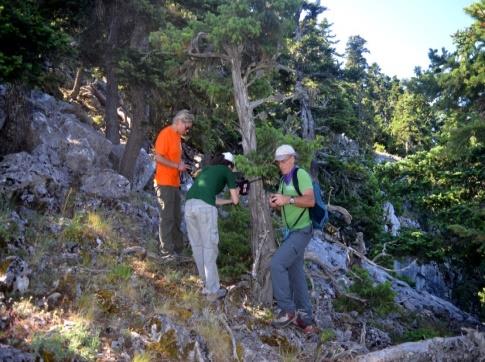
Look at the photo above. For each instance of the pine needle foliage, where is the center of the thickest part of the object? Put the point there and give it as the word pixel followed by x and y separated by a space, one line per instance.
pixel 379 297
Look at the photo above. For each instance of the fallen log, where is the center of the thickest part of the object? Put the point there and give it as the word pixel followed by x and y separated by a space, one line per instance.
pixel 469 347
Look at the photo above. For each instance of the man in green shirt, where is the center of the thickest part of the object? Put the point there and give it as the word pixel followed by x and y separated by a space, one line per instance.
pixel 201 219
pixel 290 288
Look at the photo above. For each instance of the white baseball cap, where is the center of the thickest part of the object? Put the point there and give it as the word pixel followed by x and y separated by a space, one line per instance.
pixel 283 152
pixel 228 156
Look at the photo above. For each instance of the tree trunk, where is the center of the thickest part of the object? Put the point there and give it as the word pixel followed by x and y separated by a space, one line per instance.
pixel 469 347
pixel 77 83
pixel 110 115
pixel 262 236
pixel 135 140
pixel 308 123
pixel 138 41
pixel 15 133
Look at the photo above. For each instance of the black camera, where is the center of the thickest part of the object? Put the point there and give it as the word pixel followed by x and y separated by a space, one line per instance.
pixel 243 184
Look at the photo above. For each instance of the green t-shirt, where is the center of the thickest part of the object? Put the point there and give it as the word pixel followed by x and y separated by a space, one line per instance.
pixel 210 182
pixel 290 213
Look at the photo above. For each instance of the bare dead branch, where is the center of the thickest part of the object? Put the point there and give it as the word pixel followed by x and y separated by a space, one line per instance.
pixel 274 98
pixel 363 333
pixel 329 273
pixel 223 320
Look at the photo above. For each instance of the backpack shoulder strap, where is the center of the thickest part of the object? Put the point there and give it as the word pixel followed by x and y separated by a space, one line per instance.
pixel 295 181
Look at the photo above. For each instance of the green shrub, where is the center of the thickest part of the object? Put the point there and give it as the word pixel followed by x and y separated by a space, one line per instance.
pixel 234 245
pixel 378 297
pixel 357 189
pixel 419 334
pixel 7 228
pixel 412 242
pixel 327 335
pixel 120 272
pixel 75 231
pixel 67 343
pixel 446 195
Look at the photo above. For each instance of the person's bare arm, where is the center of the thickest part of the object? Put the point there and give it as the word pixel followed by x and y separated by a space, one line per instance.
pixel 166 162
pixel 305 200
pixel 233 200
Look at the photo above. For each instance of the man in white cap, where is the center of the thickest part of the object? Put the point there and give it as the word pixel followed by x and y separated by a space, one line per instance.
pixel 201 219
pixel 290 288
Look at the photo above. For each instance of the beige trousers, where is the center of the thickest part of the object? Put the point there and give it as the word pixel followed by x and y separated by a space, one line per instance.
pixel 201 221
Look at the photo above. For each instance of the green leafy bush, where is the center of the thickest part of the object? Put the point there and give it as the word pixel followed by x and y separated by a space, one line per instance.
pixel 446 194
pixel 412 242
pixel 356 188
pixel 26 38
pixel 234 246
pixel 378 297
pixel 120 272
pixel 419 334
pixel 67 343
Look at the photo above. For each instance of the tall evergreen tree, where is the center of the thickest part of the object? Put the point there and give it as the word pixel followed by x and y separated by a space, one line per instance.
pixel 313 57
pixel 246 36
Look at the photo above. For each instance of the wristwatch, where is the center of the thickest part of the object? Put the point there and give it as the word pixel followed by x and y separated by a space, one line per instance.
pixel 292 200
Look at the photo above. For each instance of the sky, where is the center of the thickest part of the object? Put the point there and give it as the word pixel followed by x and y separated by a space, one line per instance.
pixel 399 33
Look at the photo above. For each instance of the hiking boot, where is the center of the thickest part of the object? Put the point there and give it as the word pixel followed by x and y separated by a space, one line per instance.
pixel 283 319
pixel 305 323
pixel 220 294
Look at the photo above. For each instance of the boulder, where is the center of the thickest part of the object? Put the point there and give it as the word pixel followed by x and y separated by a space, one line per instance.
pixel 11 354
pixel 105 184
pixel 176 342
pixel 144 169
pixel 16 276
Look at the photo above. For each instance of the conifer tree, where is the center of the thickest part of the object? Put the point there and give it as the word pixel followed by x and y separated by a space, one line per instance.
pixel 246 36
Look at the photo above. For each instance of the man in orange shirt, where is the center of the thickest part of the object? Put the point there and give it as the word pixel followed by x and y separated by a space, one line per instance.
pixel 168 156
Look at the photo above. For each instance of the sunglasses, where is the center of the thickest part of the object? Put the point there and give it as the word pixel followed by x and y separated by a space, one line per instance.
pixel 187 126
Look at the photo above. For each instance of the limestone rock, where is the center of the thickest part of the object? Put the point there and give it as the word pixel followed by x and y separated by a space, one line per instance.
pixel 106 184
pixel 16 277
pixel 11 354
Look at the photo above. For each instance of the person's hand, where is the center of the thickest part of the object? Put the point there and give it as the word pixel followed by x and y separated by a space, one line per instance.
pixel 271 201
pixel 182 166
pixel 276 200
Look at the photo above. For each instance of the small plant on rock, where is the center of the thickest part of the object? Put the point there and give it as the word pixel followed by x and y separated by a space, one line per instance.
pixel 378 297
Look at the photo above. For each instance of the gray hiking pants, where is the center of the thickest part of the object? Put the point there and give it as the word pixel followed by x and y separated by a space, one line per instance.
pixel 171 239
pixel 201 221
pixel 290 288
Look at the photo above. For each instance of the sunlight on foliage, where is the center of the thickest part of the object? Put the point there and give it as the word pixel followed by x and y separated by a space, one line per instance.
pixel 210 328
pixel 120 272
pixel 378 297
pixel 74 340
pixel 25 308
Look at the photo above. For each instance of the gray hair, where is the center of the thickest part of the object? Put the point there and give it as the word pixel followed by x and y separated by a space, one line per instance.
pixel 184 115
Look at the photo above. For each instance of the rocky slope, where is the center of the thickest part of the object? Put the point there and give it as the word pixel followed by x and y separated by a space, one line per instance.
pixel 82 279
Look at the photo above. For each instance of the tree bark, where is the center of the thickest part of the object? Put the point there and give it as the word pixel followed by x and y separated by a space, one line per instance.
pixel 110 115
pixel 15 133
pixel 135 140
pixel 262 236
pixel 138 41
pixel 470 347
pixel 307 121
